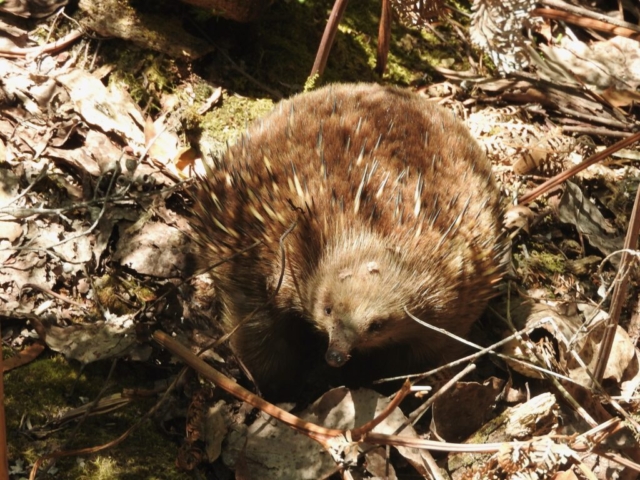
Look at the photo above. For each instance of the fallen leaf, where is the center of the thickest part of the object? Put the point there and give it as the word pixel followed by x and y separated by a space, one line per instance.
pixel 272 450
pixel 215 429
pixel 518 216
pixel 162 143
pixel 620 98
pixel 452 420
pixel 24 356
pixel 106 108
pixel 153 249
pixel 90 342
pixel 577 210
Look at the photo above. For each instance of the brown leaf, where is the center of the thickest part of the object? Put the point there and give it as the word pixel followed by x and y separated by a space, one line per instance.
pixel 452 421
pixel 518 216
pixel 109 108
pixel 576 209
pixel 24 356
pixel 89 342
pixel 162 143
pixel 152 248
pixel 620 98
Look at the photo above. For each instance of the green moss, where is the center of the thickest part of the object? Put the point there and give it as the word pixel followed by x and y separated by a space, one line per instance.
pixel 311 83
pixel 548 262
pixel 224 124
pixel 107 289
pixel 7 352
pixel 146 75
pixel 100 468
pixel 413 52
pixel 110 290
pixel 538 268
pixel 40 391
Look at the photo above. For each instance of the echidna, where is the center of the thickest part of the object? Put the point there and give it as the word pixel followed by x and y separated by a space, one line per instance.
pixel 381 201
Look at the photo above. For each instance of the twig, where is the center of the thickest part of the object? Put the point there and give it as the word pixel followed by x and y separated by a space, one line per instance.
pixel 314 431
pixel 605 132
pixel 328 37
pixel 99 216
pixel 321 434
pixel 4 457
pixel 40 176
pixel 49 48
pixel 609 122
pixel 559 4
pixel 50 292
pixel 416 415
pixel 360 432
pixel 318 433
pixel 619 292
pixel 434 468
pixel 384 37
pixel 560 178
pixel 481 351
pixel 585 22
pixel 91 407
pixel 325 435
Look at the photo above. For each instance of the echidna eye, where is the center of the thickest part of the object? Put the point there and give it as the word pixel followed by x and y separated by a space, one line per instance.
pixel 327 310
pixel 375 326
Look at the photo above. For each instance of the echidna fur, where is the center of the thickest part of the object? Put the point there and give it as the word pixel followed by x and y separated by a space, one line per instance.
pixel 391 205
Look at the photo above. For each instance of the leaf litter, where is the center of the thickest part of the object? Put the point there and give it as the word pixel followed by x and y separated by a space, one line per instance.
pixel 94 253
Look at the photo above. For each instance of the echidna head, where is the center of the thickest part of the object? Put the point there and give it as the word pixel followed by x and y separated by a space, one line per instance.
pixel 358 300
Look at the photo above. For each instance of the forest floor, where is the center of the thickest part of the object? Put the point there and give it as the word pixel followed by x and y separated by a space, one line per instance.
pixel 99 139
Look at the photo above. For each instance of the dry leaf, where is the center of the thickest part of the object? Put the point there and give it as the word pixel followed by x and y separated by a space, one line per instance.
pixel 600 65
pixel 452 421
pixel 215 430
pixel 497 28
pixel 162 143
pixel 153 248
pixel 109 109
pixel 272 450
pixel 620 98
pixel 90 342
pixel 587 346
pixel 518 216
pixel 576 209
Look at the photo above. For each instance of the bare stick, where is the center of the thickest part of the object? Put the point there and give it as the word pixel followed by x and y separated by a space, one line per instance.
pixel 558 179
pixel 328 37
pixel 619 293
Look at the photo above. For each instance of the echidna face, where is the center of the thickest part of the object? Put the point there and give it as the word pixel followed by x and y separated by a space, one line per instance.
pixel 358 309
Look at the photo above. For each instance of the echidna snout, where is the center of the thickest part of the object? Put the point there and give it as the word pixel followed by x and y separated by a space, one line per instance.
pixel 340 344
pixel 336 358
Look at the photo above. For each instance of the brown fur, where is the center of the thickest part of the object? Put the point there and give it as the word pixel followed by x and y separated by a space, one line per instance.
pixel 394 207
